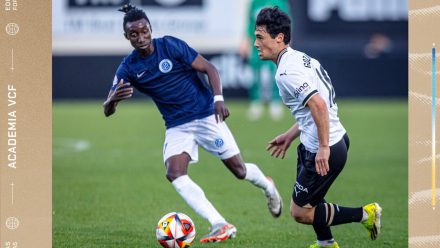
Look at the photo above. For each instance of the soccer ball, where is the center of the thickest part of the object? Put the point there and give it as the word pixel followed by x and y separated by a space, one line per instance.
pixel 175 230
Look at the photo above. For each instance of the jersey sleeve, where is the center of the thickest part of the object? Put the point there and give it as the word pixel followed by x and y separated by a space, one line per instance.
pixel 180 50
pixel 121 73
pixel 299 84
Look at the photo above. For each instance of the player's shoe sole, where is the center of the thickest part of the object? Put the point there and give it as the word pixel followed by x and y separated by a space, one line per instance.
pixel 274 201
pixel 372 224
pixel 220 234
pixel 334 245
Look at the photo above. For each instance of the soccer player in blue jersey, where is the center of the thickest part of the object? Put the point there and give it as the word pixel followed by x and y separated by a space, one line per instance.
pixel 166 70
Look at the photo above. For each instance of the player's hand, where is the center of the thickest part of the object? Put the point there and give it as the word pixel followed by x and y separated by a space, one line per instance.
pixel 221 111
pixel 123 91
pixel 321 160
pixel 279 146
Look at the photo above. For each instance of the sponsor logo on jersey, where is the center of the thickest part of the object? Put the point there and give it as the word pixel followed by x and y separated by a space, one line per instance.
pixel 299 188
pixel 306 60
pixel 219 142
pixel 165 65
pixel 301 88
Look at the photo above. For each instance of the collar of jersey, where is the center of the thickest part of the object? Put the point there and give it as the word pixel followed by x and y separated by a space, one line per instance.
pixel 281 54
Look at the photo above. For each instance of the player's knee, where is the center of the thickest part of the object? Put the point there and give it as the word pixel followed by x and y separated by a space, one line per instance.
pixel 236 165
pixel 239 171
pixel 173 175
pixel 295 215
pixel 300 216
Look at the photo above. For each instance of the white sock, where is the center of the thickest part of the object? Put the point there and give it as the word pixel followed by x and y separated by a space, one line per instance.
pixel 326 243
pixel 257 178
pixel 364 215
pixel 196 199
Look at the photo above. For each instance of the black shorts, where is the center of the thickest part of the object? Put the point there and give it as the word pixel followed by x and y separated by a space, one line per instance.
pixel 310 188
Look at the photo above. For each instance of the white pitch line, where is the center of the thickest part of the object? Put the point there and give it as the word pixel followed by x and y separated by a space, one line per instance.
pixel 62 146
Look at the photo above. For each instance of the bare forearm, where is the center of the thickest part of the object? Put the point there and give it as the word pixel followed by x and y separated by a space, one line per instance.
pixel 214 80
pixel 293 132
pixel 200 64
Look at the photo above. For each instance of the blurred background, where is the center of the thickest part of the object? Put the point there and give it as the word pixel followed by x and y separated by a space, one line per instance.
pixel 362 44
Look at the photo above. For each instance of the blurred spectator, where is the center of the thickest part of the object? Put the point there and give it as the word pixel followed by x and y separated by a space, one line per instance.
pixel 263 86
pixel 378 46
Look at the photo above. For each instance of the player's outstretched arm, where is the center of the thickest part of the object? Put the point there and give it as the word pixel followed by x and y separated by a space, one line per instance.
pixel 202 65
pixel 279 145
pixel 123 91
pixel 319 111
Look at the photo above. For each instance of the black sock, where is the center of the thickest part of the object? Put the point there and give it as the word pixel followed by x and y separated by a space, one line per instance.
pixel 323 232
pixel 329 214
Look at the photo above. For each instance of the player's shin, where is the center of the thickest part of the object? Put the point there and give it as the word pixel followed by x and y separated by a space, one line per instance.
pixel 196 199
pixel 255 176
pixel 323 233
pixel 329 214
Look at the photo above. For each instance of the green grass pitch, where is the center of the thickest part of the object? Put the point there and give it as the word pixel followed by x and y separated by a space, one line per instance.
pixel 109 186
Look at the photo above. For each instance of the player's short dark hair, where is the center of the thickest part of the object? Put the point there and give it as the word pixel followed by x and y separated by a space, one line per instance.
pixel 132 14
pixel 275 21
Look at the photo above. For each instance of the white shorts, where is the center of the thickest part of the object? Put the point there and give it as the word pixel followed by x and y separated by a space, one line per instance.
pixel 212 136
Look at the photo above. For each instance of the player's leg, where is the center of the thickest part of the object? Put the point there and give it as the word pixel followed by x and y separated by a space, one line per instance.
pixel 308 206
pixel 190 191
pixel 194 196
pixel 329 214
pixel 324 234
pixel 180 149
pixel 305 215
pixel 217 139
pixel 332 214
pixel 250 172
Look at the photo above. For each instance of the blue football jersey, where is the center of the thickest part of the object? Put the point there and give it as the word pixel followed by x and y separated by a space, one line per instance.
pixel 168 78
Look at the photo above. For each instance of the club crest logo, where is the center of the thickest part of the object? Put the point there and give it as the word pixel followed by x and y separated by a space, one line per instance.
pixel 165 65
pixel 219 142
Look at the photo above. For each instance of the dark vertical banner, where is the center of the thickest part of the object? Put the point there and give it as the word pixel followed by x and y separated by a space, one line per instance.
pixel 25 124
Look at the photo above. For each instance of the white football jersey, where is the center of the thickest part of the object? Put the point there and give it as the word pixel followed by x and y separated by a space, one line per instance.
pixel 299 77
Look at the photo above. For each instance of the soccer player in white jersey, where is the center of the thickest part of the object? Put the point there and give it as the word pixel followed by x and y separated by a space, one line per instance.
pixel 166 69
pixel 306 89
